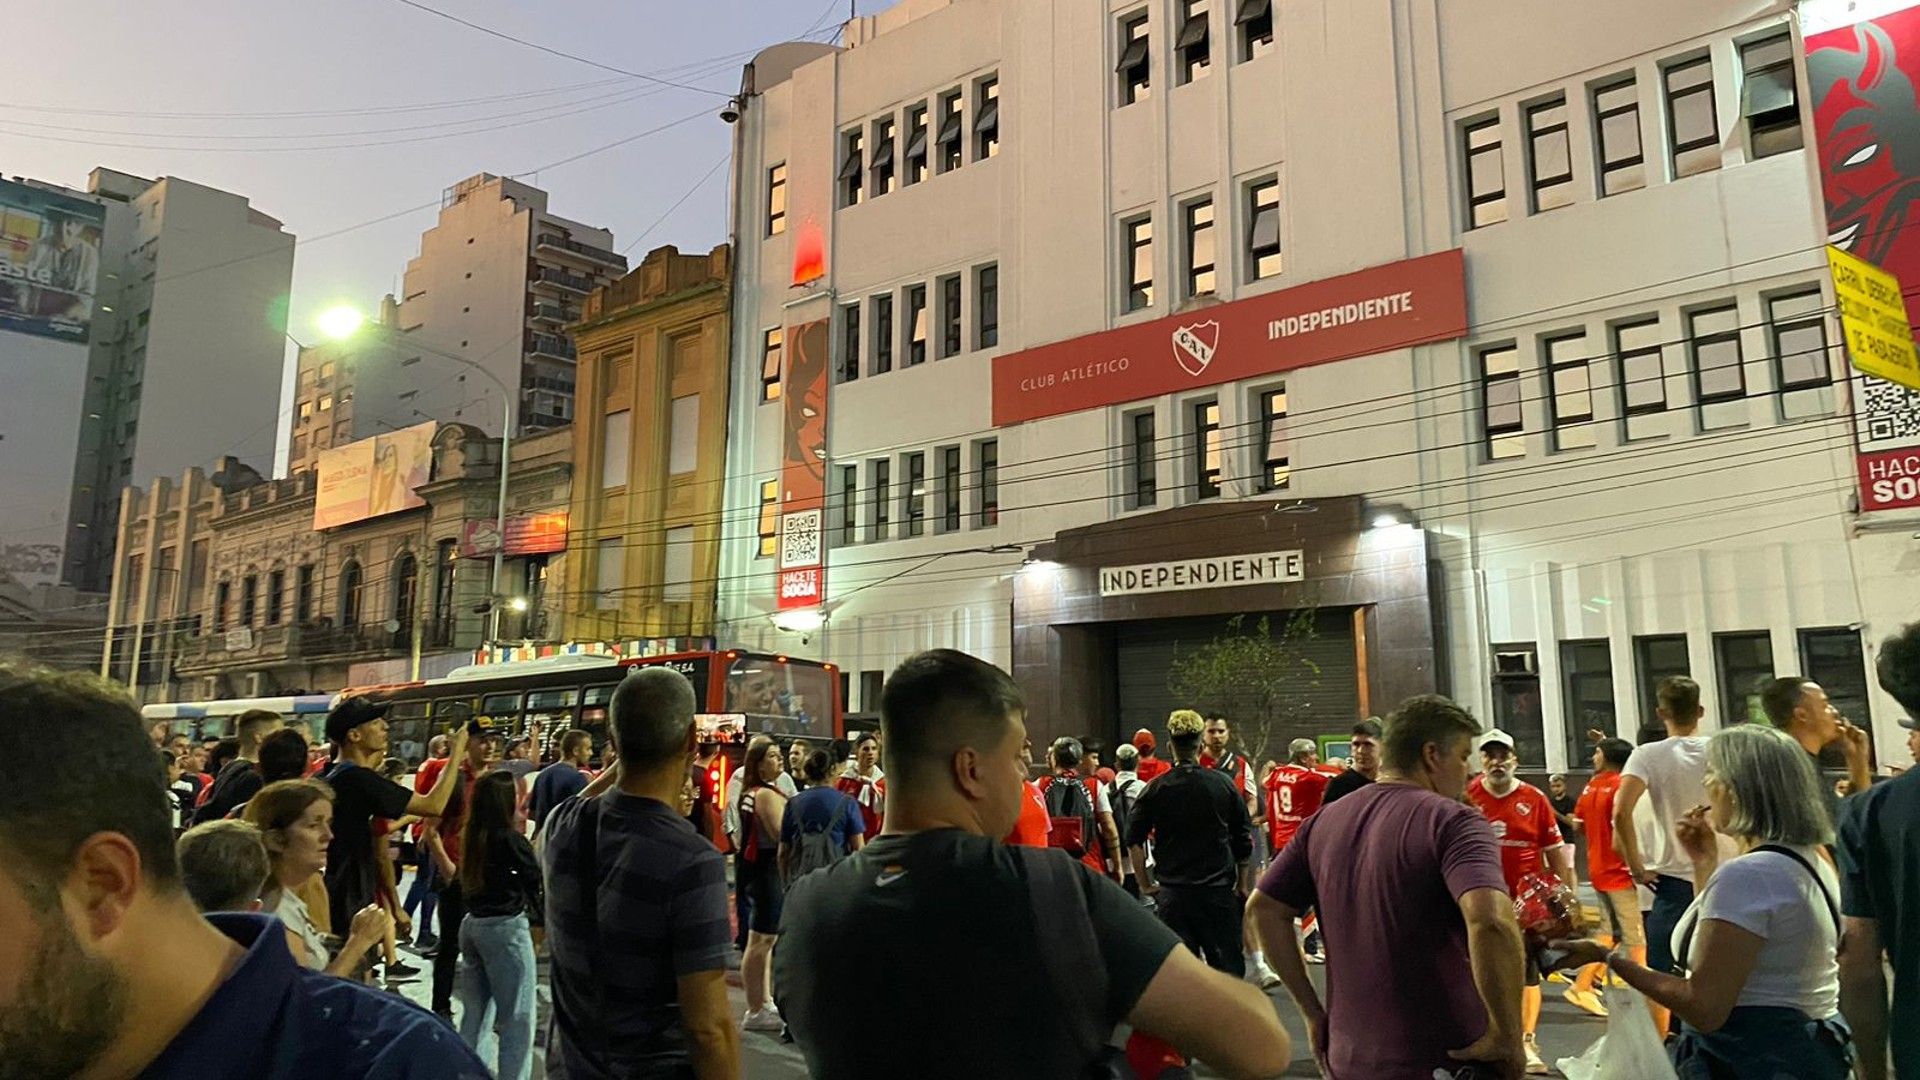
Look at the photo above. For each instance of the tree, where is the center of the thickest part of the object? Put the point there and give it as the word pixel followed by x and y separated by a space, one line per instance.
pixel 1253 676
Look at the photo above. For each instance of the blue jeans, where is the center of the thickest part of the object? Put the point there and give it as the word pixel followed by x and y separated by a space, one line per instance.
pixel 1762 1042
pixel 1671 896
pixel 496 984
pixel 420 894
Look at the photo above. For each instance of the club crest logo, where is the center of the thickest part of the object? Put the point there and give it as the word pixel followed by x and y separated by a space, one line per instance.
pixel 1193 346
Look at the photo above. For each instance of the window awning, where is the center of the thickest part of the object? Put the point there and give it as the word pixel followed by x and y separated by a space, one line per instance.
pixel 1253 9
pixel 1193 33
pixel 850 168
pixel 950 128
pixel 989 119
pixel 1133 56
pixel 1769 91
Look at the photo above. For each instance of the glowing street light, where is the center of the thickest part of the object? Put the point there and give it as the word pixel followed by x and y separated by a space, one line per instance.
pixel 340 322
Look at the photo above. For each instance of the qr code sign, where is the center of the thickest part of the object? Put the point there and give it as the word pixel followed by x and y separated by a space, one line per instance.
pixel 800 539
pixel 1888 413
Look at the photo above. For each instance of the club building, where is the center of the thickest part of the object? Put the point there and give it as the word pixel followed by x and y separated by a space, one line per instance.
pixel 1495 350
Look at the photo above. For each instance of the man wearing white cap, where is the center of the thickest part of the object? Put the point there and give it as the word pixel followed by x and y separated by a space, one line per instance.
pixel 1523 822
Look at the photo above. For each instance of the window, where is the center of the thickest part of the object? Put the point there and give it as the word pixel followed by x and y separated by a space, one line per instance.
pixel 950 316
pixel 881 473
pixel 769 518
pixel 915 494
pixel 1714 339
pixel 1769 97
pixel 916 144
pixel 610 572
pixel 1500 403
pixel 950 139
pixel 1616 122
pixel 222 596
pixel 1799 341
pixel 1145 482
pixel 445 561
pixel 987 458
pixel 1570 380
pixel 1643 377
pixel 1195 43
pixel 306 411
pixel 351 581
pixel 683 435
pixel 849 368
pixel 276 596
pixel 1136 61
pixel 777 199
pixel 1206 450
pixel 326 403
pixel 949 489
pixel 1549 156
pixel 1656 658
pixel 916 325
pixel 616 448
pixel 676 566
pixel 1255 21
pixel 1199 248
pixel 853 168
pixel 303 595
pixel 326 369
pixel 1274 469
pixel 882 168
pixel 406 585
pixel 1263 228
pixel 986 307
pixel 772 346
pixel 882 334
pixel 1745 661
pixel 1138 235
pixel 249 598
pixel 849 503
pixel 986 120
pixel 1516 701
pixel 1586 667
pixel 1833 658
pixel 1486 173
pixel 1692 126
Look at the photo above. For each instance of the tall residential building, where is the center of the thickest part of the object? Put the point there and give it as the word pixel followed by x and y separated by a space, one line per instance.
pixel 1475 352
pixel 181 368
pixel 330 377
pixel 497 282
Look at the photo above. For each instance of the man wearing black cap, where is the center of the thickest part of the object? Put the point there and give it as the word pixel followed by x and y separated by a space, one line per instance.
pixel 357 728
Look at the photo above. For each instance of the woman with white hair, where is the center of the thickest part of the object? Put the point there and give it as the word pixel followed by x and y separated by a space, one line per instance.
pixel 1761 993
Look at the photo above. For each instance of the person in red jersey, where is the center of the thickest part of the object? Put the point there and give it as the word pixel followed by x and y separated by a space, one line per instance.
pixel 1294 792
pixel 865 783
pixel 1031 828
pixel 1150 766
pixel 1529 836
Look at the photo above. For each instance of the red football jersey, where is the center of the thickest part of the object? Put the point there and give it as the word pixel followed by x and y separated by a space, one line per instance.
pixel 1523 823
pixel 1294 792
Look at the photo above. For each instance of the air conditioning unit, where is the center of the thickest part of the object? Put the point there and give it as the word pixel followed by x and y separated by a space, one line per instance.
pixel 1517 662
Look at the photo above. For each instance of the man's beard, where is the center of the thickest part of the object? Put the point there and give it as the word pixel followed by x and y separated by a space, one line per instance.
pixel 70 1007
pixel 1499 781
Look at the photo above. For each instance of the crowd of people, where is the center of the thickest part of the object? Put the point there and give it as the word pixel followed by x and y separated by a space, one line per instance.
pixel 232 907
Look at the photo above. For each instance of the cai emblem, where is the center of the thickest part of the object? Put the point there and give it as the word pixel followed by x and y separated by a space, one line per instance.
pixel 1193 346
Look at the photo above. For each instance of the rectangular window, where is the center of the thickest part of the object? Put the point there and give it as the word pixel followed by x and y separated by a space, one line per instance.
pixel 1500 403
pixel 445 562
pixel 1769 96
pixel 249 598
pixel 949 489
pixel 880 472
pixel 1141 460
pixel 1263 228
pixel 1206 450
pixel 222 596
pixel 987 461
pixel 1138 237
pixel 1195 43
pixel 326 402
pixel 1643 375
pixel 986 119
pixel 1516 700
pixel 1745 663
pixel 853 168
pixel 1136 61
pixel 950 316
pixel 303 595
pixel 769 518
pixel 1616 123
pixel 276 596
pixel 772 355
pixel 610 572
pixel 1570 382
pixel 1549 155
pixel 306 411
pixel 1255 21
pixel 1655 658
pixel 777 199
pixel 915 494
pixel 1199 248
pixel 1713 337
pixel 882 334
pixel 1486 173
pixel 1275 470
pixel 917 148
pixel 1799 341
pixel 849 504
pixel 1693 127
pixel 1586 669
pixel 881 171
pixel 849 368
pixel 616 444
pixel 986 307
pixel 683 435
pixel 951 137
pixel 1833 658
pixel 676 566
pixel 916 325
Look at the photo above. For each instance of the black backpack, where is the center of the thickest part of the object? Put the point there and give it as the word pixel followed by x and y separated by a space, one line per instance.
pixel 1123 795
pixel 1073 828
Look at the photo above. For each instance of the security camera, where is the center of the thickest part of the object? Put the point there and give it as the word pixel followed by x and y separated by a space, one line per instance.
pixel 730 113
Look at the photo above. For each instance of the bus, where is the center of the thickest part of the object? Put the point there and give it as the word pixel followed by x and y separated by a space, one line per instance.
pixel 199 720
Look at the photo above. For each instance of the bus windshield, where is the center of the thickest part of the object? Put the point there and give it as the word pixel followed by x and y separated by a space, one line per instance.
pixel 781 697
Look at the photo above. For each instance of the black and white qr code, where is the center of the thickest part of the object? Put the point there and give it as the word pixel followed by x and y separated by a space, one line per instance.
pixel 1887 412
pixel 800 539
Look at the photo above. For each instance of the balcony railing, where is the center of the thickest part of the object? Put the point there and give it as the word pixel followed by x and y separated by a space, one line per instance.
pixel 552 346
pixel 560 279
pixel 556 242
pixel 554 313
pixel 269 644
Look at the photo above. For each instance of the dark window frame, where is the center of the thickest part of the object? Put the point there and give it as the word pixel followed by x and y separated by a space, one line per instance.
pixel 1852 688
pixel 276 596
pixel 1276 471
pixel 1612 166
pixel 880 490
pixel 951 480
pixel 1558 185
pixel 1649 670
pixel 848 370
pixel 776 199
pixel 950 139
pixel 913 493
pixel 883 333
pixel 768 524
pixel 773 347
pixel 986 306
pixel 303 594
pixel 1259 249
pixel 1574 677
pixel 1696 340
pixel 917 330
pixel 1135 66
pixel 849 504
pixel 1194 43
pixel 1556 368
pixel 1143 459
pixel 952 327
pixel 1745 686
pixel 1137 238
pixel 986 118
pixel 249 598
pixel 853 167
pixel 1207 447
pixel 1773 126
pixel 1657 350
pixel 1497 434
pixel 919 161
pixel 1471 153
pixel 1670 98
pixel 1779 326
pixel 986 456
pixel 883 168
pixel 1255 20
pixel 1192 232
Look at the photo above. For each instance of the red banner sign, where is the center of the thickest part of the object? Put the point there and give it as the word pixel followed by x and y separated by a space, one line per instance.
pixel 1415 302
pixel 527 534
pixel 803 470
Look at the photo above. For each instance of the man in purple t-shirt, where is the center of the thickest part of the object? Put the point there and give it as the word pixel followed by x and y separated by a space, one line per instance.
pixel 1406 879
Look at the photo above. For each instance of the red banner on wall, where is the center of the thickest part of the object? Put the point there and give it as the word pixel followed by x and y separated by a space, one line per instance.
pixel 527 534
pixel 803 471
pixel 1414 302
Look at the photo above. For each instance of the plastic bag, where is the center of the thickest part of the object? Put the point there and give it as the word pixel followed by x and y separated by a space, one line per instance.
pixel 1631 1048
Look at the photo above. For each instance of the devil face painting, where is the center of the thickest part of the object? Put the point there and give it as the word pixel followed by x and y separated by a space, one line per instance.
pixel 1867 115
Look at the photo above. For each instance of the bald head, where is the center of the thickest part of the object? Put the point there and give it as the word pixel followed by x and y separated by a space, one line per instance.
pixel 652 717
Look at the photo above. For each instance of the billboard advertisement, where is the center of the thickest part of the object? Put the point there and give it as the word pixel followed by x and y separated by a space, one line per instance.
pixel 372 477
pixel 1866 111
pixel 803 471
pixel 49 261
pixel 527 534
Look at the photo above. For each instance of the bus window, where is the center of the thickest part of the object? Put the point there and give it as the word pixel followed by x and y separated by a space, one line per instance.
pixel 408 730
pixel 593 718
pixel 781 697
pixel 500 713
pixel 553 711
pixel 449 713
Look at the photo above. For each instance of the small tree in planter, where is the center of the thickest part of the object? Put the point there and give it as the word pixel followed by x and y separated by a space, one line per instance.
pixel 1247 674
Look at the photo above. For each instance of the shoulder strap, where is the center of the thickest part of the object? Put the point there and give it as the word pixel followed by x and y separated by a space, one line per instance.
pixel 1068 952
pixel 1832 908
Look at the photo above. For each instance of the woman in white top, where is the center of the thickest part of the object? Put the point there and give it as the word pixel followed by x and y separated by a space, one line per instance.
pixel 295 818
pixel 1762 993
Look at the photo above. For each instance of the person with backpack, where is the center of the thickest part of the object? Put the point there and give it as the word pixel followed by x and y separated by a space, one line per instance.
pixel 762 807
pixel 1079 811
pixel 821 825
pixel 1122 794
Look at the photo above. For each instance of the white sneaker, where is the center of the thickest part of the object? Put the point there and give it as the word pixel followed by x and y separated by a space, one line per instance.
pixel 766 1018
pixel 1263 974
pixel 1535 1066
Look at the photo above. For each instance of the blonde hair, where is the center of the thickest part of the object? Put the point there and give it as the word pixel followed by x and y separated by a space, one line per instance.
pixel 1185 722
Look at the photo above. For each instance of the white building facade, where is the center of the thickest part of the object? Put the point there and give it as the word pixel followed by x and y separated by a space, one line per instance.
pixel 1606 441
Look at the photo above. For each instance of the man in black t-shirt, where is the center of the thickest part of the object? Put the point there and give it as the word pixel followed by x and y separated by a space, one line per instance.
pixel 1366 762
pixel 1035 957
pixel 238 779
pixel 1202 841
pixel 357 728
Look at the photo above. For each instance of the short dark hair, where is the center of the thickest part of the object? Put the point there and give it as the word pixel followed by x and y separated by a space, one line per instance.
pixel 283 755
pixel 50 721
pixel 1419 721
pixel 223 864
pixel 224 752
pixel 251 723
pixel 1370 727
pixel 863 737
pixel 572 740
pixel 1616 752
pixel 1899 668
pixel 651 713
pixel 1067 752
pixel 937 702
pixel 817 766
pixel 1781 697
pixel 1680 696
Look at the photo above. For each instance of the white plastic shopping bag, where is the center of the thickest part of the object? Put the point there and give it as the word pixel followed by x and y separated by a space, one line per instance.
pixel 1630 1050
